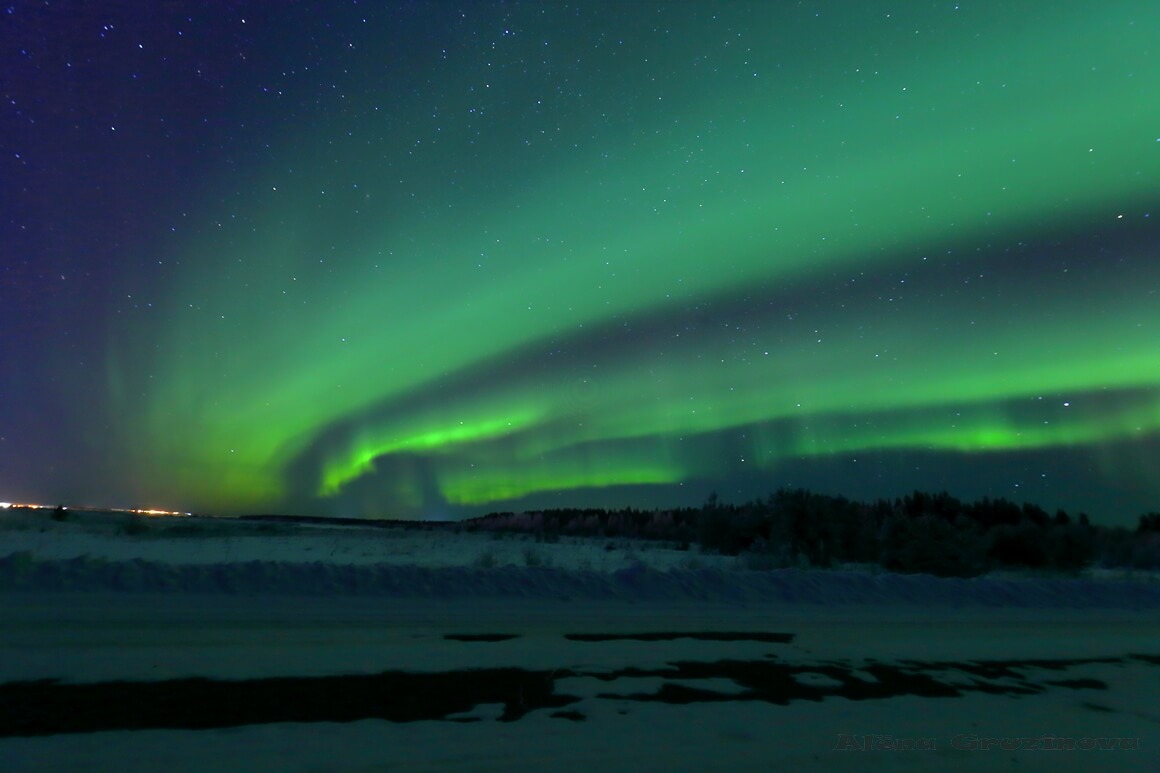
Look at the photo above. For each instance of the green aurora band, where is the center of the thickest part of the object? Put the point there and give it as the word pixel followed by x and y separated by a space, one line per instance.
pixel 721 257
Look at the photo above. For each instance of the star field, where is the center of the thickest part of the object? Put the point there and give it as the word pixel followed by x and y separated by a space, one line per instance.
pixel 428 260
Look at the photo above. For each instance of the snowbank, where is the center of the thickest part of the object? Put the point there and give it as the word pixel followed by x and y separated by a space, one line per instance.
pixel 112 552
pixel 25 572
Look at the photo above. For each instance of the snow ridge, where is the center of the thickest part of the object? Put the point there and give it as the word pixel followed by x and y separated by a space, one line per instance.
pixel 638 582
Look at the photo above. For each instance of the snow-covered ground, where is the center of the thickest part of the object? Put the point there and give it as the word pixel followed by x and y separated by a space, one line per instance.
pixel 319 648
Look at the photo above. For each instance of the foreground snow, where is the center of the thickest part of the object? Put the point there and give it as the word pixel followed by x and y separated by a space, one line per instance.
pixel 805 665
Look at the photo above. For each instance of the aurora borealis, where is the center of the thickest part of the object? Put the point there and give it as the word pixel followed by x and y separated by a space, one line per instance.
pixel 430 259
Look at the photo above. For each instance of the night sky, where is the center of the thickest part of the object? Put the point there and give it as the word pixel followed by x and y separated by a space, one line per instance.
pixel 433 259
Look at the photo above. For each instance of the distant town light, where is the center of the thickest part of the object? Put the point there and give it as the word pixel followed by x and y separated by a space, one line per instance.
pixel 5 505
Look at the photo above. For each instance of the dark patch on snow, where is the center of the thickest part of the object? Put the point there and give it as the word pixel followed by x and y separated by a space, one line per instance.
pixel 777 682
pixel 49 707
pixel 1153 659
pixel 774 638
pixel 1079 684
pixel 490 637
pixel 575 716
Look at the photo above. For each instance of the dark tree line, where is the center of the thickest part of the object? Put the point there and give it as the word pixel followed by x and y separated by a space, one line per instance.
pixel 921 532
